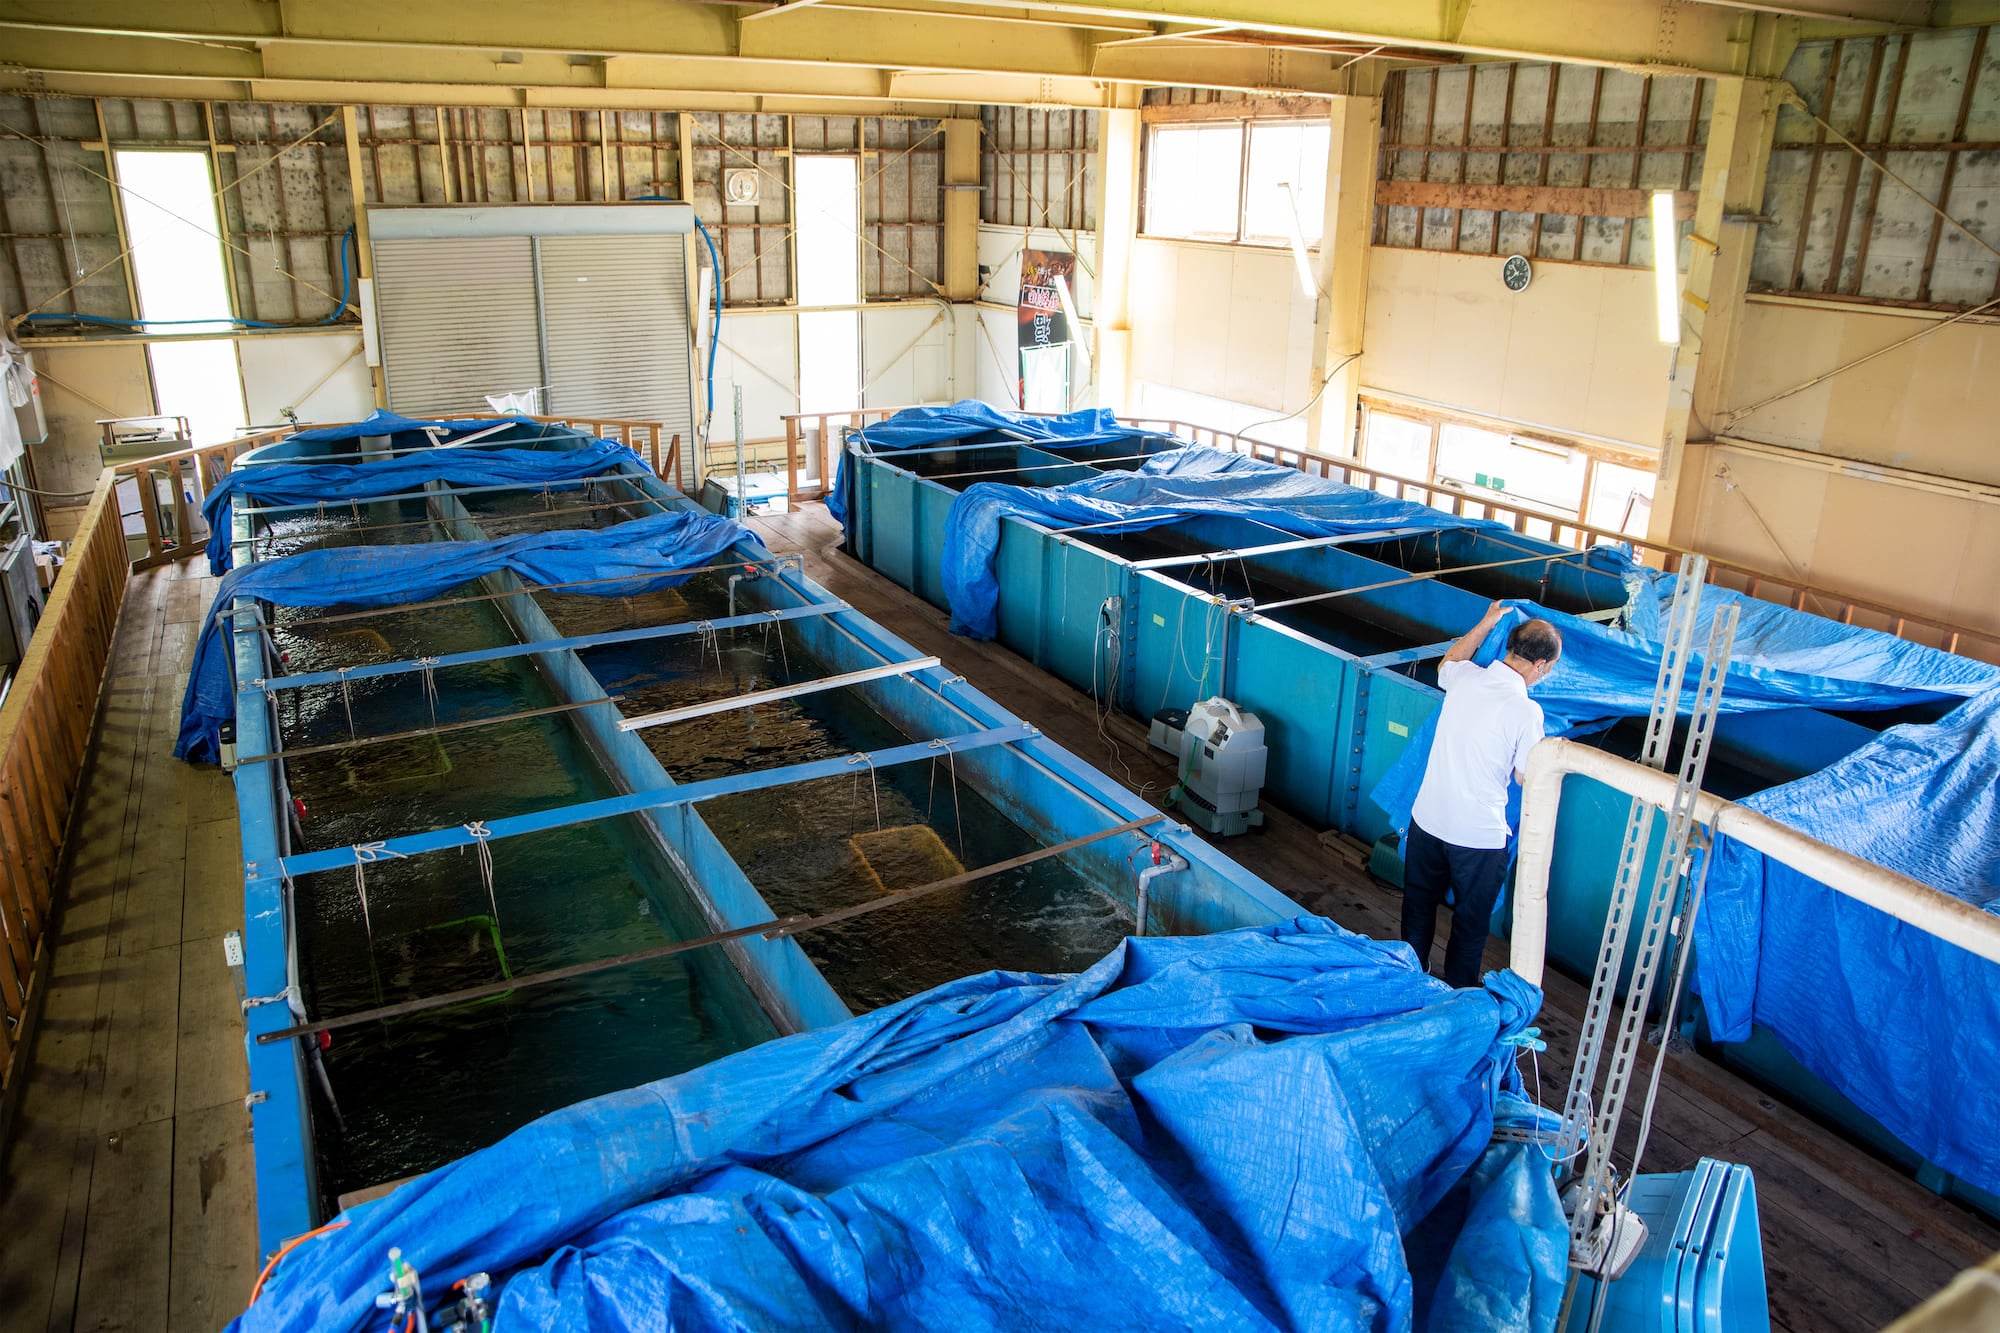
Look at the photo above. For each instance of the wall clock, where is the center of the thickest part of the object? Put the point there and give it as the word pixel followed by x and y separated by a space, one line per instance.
pixel 1516 273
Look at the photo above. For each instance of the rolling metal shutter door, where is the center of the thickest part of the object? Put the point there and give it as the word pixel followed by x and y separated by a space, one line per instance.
pixel 457 320
pixel 615 320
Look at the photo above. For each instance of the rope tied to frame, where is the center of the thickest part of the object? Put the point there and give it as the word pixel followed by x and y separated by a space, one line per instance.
pixel 347 701
pixel 957 816
pixel 707 637
pixel 479 834
pixel 364 854
pixel 429 665
pixel 783 656
pixel 874 790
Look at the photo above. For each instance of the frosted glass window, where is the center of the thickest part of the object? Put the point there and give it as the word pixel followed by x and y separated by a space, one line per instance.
pixel 1285 155
pixel 1398 445
pixel 1194 179
pixel 1621 499
pixel 1545 475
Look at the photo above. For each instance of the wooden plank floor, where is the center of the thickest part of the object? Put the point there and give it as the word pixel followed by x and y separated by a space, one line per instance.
pixel 128 1189
pixel 1849 1241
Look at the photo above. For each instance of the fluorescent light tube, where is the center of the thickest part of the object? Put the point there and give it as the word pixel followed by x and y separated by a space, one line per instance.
pixel 1666 266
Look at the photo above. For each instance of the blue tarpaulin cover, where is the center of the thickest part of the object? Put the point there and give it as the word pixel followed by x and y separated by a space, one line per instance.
pixel 414 430
pixel 309 483
pixel 1606 674
pixel 1780 638
pixel 1268 1128
pixel 927 427
pixel 1176 484
pixel 1904 1025
pixel 648 549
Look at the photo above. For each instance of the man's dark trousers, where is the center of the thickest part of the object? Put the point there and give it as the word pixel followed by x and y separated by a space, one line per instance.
pixel 1431 866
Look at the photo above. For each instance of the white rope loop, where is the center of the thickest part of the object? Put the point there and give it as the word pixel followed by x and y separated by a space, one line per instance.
pixel 479 834
pixel 429 664
pixel 364 854
pixel 874 790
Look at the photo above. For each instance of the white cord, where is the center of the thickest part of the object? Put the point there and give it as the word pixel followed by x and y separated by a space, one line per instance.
pixel 1101 710
pixel 1317 395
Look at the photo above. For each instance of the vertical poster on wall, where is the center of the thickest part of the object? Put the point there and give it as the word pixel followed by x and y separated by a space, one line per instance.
pixel 1044 330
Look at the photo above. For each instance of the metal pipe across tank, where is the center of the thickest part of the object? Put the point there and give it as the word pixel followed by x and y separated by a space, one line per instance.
pixel 755 697
pixel 773 930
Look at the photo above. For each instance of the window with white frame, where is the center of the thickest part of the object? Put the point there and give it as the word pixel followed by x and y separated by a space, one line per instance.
pixel 1579 481
pixel 1247 182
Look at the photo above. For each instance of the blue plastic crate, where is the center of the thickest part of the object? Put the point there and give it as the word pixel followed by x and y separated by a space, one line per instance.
pixel 1702 1267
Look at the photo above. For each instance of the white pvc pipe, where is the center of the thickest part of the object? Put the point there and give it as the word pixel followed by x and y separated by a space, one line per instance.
pixel 756 697
pixel 1908 900
pixel 1146 878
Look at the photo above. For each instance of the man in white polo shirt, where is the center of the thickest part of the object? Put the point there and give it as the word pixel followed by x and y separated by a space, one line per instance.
pixel 1458 824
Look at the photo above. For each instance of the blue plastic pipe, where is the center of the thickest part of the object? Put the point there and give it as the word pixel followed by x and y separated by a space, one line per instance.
pixel 101 321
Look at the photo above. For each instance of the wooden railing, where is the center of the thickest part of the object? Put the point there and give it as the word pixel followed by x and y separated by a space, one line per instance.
pixel 825 429
pixel 1565 530
pixel 187 475
pixel 1528 520
pixel 648 439
pixel 44 733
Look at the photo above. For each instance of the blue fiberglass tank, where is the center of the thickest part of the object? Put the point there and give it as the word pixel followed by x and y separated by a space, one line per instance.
pixel 1337 720
pixel 972 785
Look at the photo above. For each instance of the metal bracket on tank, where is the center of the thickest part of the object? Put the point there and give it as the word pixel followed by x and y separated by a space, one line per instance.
pixel 1350 795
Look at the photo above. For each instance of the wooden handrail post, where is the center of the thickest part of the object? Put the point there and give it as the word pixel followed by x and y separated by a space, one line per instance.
pixel 791 462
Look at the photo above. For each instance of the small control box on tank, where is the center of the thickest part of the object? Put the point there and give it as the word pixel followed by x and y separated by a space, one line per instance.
pixel 1221 763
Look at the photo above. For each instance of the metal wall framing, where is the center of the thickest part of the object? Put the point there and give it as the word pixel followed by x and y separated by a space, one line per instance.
pixel 1556 162
pixel 1927 106
pixel 286 199
pixel 902 197
pixel 754 240
pixel 60 235
pixel 1038 168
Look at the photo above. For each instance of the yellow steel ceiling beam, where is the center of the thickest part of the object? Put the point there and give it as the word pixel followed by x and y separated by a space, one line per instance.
pixel 1665 35
pixel 1074 52
pixel 987 62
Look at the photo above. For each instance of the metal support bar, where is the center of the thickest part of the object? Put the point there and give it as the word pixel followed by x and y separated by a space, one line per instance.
pixel 1415 578
pixel 776 929
pixel 550 432
pixel 1033 467
pixel 1139 523
pixel 755 697
pixel 538 821
pixel 1406 655
pixel 466 725
pixel 540 646
pixel 611 473
pixel 777 564
pixel 1631 859
pixel 1279 548
pixel 268 536
pixel 1599 1170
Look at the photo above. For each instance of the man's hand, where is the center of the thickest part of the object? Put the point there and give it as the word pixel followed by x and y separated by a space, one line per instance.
pixel 1463 650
